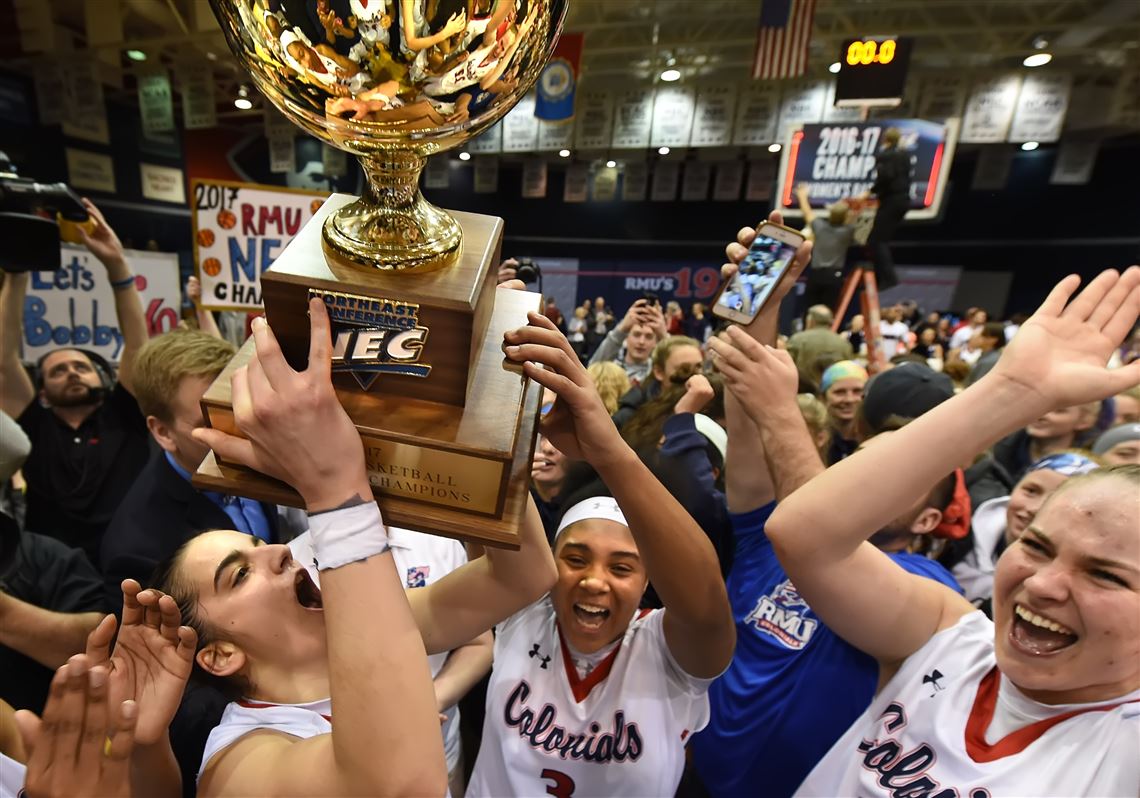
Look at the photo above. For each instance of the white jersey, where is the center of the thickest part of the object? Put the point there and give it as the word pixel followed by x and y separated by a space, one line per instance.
pixel 244 717
pixel 420 560
pixel 949 725
pixel 620 731
pixel 12 775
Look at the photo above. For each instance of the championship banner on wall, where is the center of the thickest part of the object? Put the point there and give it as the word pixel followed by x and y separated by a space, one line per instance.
pixel 838 161
pixel 559 78
pixel 75 304
pixel 239 230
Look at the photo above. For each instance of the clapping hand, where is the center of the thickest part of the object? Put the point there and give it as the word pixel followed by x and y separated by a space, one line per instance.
pixel 152 659
pixel 578 424
pixel 83 744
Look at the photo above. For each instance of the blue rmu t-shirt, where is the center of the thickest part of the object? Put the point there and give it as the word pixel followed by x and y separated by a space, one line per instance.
pixel 793 687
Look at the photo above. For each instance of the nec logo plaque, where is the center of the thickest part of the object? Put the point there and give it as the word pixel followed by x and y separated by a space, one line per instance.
pixel 374 336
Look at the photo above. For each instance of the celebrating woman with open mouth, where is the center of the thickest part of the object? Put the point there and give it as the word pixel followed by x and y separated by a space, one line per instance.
pixel 589 695
pixel 1045 699
pixel 331 687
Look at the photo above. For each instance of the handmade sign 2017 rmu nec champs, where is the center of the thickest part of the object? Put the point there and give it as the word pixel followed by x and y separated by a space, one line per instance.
pixel 239 230
pixel 448 426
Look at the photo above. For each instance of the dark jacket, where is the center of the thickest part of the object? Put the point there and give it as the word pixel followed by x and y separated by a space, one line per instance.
pixel 160 512
pixel 683 466
pixel 892 176
pixel 632 400
pixel 1012 454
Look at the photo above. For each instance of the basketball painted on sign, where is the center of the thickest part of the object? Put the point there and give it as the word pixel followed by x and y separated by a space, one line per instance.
pixel 239 230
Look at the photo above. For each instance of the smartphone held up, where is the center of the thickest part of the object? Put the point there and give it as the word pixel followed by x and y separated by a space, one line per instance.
pixel 744 295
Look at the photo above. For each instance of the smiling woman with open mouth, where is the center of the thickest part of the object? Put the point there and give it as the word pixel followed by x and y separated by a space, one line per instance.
pixel 1045 699
pixel 590 695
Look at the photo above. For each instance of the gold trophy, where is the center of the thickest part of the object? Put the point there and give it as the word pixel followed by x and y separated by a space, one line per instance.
pixel 448 425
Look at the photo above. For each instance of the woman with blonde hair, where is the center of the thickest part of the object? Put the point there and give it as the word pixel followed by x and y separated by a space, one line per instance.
pixel 611 381
pixel 815 416
pixel 1045 698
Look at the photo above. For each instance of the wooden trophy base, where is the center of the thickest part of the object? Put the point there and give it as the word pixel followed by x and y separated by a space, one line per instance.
pixel 451 458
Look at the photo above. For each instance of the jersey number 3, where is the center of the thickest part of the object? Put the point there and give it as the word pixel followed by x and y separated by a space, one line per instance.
pixel 563 786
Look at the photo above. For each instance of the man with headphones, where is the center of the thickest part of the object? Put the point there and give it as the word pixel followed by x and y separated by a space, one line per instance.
pixel 89 439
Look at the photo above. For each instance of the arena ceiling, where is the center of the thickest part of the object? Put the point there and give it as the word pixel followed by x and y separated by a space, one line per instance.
pixel 625 40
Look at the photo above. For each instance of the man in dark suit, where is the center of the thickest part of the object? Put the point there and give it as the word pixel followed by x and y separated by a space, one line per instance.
pixel 892 188
pixel 163 510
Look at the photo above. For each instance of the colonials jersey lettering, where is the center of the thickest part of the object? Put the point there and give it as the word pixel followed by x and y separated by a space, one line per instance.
pixel 618 730
pixel 619 743
pixel 903 774
pixel 782 615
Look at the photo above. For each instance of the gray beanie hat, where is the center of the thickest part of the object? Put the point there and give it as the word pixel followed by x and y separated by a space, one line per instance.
pixel 1116 435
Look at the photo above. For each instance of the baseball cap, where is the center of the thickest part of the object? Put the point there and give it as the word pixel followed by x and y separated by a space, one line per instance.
pixel 908 390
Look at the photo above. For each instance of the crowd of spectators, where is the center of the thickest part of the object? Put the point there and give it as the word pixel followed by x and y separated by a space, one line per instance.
pixel 742 536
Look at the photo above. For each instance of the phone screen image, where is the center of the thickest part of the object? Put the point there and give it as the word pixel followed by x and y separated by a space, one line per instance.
pixel 762 268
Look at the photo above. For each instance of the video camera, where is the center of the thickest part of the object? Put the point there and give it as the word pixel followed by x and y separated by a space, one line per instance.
pixel 28 212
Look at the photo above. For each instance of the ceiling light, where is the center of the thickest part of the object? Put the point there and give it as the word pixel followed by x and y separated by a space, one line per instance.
pixel 1040 43
pixel 1029 146
pixel 136 55
pixel 243 102
pixel 1037 59
pixel 662 150
pixel 834 68
pixel 670 75
pixel 775 147
pixel 611 164
pixel 465 156
pixel 564 153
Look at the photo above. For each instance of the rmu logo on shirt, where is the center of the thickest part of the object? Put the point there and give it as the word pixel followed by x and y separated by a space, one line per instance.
pixel 780 614
pixel 418 575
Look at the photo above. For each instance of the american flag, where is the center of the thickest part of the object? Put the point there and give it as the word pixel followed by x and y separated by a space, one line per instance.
pixel 782 43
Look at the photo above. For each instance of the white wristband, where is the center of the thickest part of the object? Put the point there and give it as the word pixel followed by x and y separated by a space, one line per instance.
pixel 346 536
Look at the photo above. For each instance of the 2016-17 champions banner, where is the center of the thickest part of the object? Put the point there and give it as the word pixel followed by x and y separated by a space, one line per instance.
pixel 239 230
pixel 837 162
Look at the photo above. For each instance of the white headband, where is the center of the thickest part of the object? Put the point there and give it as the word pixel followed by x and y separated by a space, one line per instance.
pixel 713 431
pixel 603 507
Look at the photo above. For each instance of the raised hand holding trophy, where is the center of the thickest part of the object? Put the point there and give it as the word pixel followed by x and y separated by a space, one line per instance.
pixel 418 324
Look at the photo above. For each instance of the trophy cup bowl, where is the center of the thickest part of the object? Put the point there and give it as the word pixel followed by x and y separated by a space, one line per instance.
pixel 392 82
pixel 448 426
